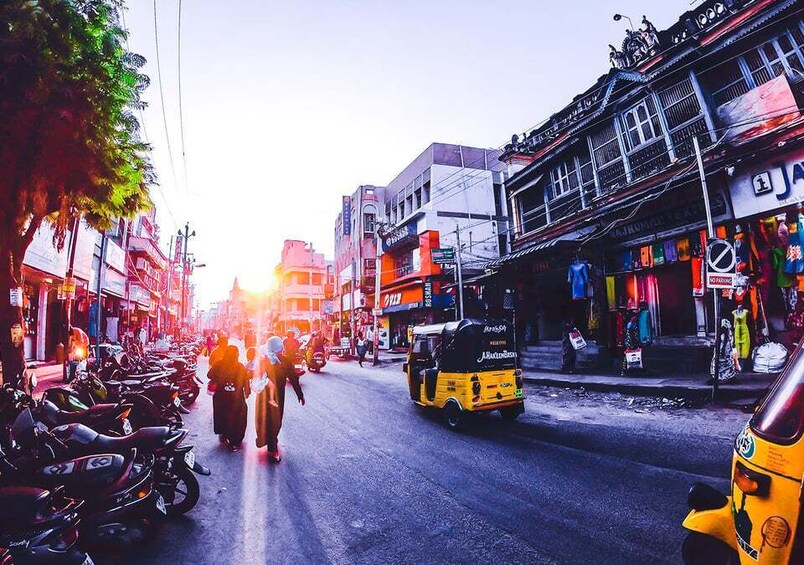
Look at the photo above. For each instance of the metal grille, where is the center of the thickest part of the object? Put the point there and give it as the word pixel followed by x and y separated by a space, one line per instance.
pixel 649 159
pixel 682 139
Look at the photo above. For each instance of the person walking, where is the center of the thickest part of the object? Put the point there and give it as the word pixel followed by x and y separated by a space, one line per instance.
pixel 361 348
pixel 210 344
pixel 291 344
pixel 219 351
pixel 229 408
pixel 268 418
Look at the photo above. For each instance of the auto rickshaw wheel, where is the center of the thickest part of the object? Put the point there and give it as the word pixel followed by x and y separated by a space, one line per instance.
pixel 453 415
pixel 510 413
pixel 701 549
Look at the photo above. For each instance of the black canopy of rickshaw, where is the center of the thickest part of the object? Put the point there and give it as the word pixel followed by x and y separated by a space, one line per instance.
pixel 477 345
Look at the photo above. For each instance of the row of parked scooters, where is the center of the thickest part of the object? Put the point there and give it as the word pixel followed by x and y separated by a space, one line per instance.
pixel 97 464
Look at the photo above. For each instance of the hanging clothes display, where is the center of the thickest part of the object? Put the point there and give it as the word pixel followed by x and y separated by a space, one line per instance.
pixel 794 260
pixel 644 323
pixel 670 251
pixel 726 368
pixel 578 279
pixel 697 276
pixel 683 249
pixel 611 293
pixel 742 339
pixel 657 252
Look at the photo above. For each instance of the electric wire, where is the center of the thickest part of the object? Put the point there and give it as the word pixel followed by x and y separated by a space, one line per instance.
pixel 162 97
pixel 181 109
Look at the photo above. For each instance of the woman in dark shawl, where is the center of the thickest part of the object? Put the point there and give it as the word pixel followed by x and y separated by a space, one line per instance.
pixel 230 412
pixel 279 369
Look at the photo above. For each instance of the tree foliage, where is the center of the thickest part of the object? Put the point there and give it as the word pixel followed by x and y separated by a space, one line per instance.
pixel 69 141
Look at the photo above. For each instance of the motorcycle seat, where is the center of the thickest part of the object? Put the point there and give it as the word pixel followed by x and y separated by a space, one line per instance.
pixel 140 377
pixel 148 439
pixel 23 506
pixel 81 416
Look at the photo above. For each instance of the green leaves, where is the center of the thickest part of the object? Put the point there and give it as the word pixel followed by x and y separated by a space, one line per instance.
pixel 69 140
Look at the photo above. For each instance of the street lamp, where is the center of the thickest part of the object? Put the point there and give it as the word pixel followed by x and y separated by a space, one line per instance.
pixel 618 17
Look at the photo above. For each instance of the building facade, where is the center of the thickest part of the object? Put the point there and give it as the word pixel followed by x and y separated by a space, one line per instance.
pixel 300 298
pixel 609 215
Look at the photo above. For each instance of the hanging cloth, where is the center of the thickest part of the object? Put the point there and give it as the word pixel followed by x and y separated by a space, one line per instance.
pixel 646 256
pixel 578 278
pixel 611 293
pixel 697 276
pixel 778 257
pixel 670 251
pixel 794 260
pixel 742 339
pixel 643 319
pixel 658 253
pixel 683 248
pixel 625 260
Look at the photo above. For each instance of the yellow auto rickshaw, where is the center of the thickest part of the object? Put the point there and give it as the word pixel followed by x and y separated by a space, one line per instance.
pixel 464 367
pixel 762 522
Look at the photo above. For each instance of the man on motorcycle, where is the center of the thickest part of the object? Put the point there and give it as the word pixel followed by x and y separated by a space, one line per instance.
pixel 292 345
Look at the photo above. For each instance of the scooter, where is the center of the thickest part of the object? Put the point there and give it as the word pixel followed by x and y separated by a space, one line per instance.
pixel 39 526
pixel 316 361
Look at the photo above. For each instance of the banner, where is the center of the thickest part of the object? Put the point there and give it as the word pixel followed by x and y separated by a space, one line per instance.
pixel 177 249
pixel 346 215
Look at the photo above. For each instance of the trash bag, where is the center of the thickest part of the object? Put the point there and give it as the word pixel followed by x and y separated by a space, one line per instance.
pixel 769 358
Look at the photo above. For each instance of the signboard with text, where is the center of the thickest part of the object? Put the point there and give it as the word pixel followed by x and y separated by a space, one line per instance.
pixel 768 185
pixel 402 236
pixel 346 215
pixel 443 255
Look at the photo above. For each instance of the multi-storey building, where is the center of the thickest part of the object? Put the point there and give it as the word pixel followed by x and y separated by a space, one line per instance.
pixel 355 260
pixel 608 188
pixel 299 300
pixel 449 192
pixel 147 263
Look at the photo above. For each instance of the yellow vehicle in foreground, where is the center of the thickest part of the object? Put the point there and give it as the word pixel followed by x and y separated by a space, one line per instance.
pixel 762 522
pixel 464 367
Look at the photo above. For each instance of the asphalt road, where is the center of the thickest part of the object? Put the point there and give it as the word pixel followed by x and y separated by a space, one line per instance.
pixel 369 478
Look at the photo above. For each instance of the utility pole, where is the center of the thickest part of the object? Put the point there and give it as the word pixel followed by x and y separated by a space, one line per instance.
pixel 166 322
pixel 459 274
pixel 377 271
pixel 310 287
pixel 186 235
pixel 100 284
pixel 68 296
pixel 711 231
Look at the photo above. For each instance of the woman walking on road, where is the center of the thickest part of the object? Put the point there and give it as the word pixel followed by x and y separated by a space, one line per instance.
pixel 361 348
pixel 279 369
pixel 229 409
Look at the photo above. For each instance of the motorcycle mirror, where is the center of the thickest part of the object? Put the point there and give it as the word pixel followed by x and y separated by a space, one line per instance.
pixel 34 381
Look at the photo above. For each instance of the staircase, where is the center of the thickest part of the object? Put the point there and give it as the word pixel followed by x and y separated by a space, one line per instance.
pixel 546 356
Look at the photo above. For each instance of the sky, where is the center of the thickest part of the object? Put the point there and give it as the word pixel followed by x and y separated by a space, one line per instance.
pixel 289 104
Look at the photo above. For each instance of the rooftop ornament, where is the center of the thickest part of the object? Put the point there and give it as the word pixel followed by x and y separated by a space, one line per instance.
pixel 637 46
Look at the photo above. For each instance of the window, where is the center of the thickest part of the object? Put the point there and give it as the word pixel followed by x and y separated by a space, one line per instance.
pixel 417 198
pixel 426 192
pixel 532 211
pixel 685 118
pixel 368 224
pixel 607 157
pixel 564 179
pixel 782 55
pixel 641 123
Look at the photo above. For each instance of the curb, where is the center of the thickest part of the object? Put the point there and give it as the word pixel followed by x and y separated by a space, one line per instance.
pixel 693 391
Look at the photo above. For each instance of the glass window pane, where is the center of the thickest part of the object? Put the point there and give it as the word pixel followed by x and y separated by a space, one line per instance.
pixel 629 120
pixel 795 63
pixel 770 51
pixel 754 60
pixel 646 132
pixel 633 136
pixel 642 113
pixel 785 44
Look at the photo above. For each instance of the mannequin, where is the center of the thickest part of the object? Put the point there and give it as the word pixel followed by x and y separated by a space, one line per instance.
pixel 742 339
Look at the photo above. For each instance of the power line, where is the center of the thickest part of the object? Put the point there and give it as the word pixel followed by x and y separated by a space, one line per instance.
pixel 181 111
pixel 162 96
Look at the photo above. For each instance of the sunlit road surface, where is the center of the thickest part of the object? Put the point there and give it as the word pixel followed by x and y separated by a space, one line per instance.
pixel 369 478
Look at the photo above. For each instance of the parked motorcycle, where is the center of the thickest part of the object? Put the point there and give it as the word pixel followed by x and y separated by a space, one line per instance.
pixel 121 504
pixel 38 526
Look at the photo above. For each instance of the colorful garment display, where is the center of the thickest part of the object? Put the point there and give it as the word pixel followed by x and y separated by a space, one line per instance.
pixel 646 257
pixel 578 278
pixel 742 339
pixel 657 250
pixel 670 251
pixel 645 330
pixel 726 369
pixel 778 256
pixel 794 260
pixel 683 248
pixel 611 293
pixel 697 276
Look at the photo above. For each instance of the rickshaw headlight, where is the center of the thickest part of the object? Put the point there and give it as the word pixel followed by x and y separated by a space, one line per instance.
pixel 751 482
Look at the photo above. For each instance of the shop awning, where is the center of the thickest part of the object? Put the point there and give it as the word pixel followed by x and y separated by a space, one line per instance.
pixel 511 257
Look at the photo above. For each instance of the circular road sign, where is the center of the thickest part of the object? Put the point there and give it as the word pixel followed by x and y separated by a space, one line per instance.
pixel 720 256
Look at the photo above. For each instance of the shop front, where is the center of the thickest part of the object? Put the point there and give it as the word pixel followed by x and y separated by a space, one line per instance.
pixel 767 195
pixel 412 304
pixel 654 270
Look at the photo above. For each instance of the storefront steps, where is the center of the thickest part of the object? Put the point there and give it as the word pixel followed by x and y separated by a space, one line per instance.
pixel 546 355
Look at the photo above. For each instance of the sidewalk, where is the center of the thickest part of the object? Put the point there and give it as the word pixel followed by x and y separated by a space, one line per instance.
pixel 747 386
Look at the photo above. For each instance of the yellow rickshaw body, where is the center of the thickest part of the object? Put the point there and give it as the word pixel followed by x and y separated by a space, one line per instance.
pixel 762 521
pixel 469 362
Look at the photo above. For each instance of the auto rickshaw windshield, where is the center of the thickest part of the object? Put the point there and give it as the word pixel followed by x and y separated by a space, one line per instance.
pixel 780 417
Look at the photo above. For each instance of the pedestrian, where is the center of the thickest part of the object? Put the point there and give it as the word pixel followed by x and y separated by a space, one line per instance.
pixel 631 342
pixel 725 370
pixel 568 354
pixel 77 350
pixel 229 408
pixel 259 379
pixel 268 418
pixel 143 336
pixel 361 348
pixel 219 351
pixel 370 341
pixel 210 344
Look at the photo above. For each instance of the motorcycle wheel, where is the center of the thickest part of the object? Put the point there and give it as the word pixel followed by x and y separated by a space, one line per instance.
pixel 186 492
pixel 190 396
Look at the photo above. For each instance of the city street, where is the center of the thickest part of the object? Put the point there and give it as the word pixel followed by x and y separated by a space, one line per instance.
pixel 369 478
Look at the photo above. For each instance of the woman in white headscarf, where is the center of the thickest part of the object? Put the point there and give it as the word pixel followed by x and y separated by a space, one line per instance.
pixel 279 369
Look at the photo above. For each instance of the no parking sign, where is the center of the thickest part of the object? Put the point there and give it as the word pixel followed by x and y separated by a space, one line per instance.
pixel 721 259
